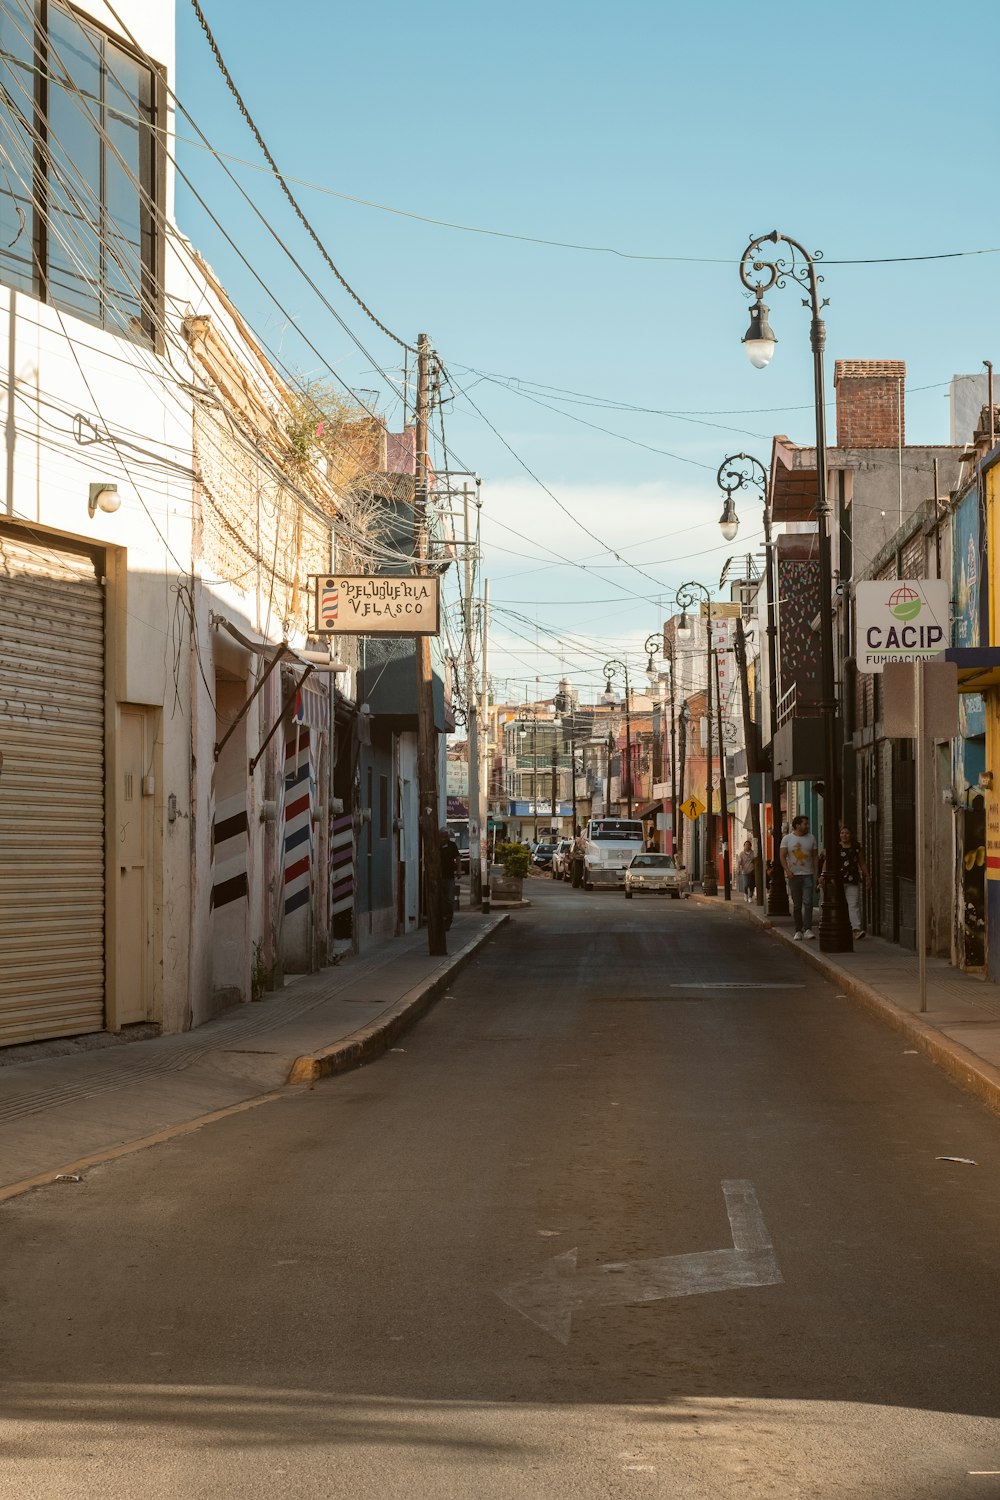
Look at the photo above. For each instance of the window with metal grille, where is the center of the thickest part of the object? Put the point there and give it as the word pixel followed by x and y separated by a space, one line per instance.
pixel 77 168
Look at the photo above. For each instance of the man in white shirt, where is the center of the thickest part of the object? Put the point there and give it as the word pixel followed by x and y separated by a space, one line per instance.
pixel 798 860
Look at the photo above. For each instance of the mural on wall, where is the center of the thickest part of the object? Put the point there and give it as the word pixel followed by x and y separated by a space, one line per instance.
pixel 798 643
pixel 965 587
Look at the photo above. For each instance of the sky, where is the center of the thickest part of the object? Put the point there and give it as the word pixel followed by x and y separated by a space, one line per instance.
pixel 665 131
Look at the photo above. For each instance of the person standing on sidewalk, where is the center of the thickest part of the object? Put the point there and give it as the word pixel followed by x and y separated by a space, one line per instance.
pixel 746 871
pixel 798 860
pixel 577 857
pixel 451 862
pixel 853 870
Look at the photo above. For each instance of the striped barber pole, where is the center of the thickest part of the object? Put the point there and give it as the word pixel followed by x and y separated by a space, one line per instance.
pixel 341 864
pixel 229 850
pixel 299 795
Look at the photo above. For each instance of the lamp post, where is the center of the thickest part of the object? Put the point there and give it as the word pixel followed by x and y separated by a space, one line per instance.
pixel 610 669
pixel 524 719
pixel 659 645
pixel 686 596
pixel 758 275
pixel 741 471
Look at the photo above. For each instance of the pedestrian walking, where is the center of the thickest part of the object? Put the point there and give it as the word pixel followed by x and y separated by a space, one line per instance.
pixel 746 871
pixel 798 860
pixel 451 862
pixel 853 870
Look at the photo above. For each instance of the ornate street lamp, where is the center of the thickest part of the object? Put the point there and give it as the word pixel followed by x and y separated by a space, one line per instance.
pixel 660 645
pixel 758 275
pixel 609 696
pixel 739 472
pixel 686 596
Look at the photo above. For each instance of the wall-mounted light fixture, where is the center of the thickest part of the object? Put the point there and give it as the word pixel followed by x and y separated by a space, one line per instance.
pixel 103 496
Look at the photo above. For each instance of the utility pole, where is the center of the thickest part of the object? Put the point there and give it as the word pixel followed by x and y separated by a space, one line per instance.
pixel 437 942
pixel 555 775
pixel 485 762
pixel 475 826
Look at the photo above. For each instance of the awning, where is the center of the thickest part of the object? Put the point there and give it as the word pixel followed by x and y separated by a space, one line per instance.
pixel 978 667
pixel 650 809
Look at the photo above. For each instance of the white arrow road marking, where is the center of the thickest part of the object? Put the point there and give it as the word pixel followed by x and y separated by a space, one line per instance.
pixel 549 1297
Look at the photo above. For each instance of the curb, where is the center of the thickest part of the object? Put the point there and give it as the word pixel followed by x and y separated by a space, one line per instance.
pixel 966 1068
pixel 361 1046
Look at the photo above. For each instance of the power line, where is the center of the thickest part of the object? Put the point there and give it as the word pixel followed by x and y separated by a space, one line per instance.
pixel 244 111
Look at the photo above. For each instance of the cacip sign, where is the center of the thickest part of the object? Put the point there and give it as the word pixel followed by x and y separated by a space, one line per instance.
pixel 900 620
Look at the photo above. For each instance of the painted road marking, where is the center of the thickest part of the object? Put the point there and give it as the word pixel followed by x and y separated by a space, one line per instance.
pixel 737 984
pixel 549 1297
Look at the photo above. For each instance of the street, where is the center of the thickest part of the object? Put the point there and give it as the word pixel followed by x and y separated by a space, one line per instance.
pixel 642 1207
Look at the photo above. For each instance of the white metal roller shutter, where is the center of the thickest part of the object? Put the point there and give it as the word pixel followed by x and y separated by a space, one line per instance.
pixel 51 791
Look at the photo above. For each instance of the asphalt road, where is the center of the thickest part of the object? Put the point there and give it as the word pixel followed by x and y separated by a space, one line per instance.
pixel 708 1182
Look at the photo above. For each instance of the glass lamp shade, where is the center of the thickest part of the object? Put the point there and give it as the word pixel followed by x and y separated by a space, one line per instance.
pixel 729 521
pixel 609 697
pixel 684 628
pixel 759 352
pixel 758 340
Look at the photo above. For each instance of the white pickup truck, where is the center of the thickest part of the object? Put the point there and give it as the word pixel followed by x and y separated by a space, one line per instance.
pixel 610 845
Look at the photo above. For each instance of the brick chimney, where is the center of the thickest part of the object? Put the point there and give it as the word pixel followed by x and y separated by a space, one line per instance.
pixel 870 402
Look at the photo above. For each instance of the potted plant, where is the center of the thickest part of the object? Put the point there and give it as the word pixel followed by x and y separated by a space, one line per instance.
pixel 508 873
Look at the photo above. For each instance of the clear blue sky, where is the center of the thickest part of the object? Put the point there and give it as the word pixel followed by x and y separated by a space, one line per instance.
pixel 659 129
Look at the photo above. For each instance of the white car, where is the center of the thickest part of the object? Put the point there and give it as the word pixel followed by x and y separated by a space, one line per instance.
pixel 561 860
pixel 657 875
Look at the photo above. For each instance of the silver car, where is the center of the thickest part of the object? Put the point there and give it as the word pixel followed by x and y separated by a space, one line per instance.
pixel 659 874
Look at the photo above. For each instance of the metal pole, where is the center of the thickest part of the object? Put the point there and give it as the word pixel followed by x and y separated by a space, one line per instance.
pixel 572 747
pixel 758 275
pixel 709 879
pixel 777 895
pixel 437 942
pixel 727 880
pixel 834 928
pixel 989 399
pixel 674 841
pixel 921 771
pixel 628 743
pixel 753 760
pixel 534 780
pixel 472 709
pixel 484 775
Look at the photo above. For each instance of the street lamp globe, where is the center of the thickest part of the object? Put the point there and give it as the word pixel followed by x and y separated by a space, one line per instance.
pixel 609 696
pixel 758 340
pixel 684 627
pixel 729 521
pixel 651 671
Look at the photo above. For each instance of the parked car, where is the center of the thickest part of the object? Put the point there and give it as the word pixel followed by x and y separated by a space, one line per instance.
pixel 560 860
pixel 657 875
pixel 542 856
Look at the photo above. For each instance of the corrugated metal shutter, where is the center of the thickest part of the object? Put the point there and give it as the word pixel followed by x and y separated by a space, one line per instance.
pixel 51 791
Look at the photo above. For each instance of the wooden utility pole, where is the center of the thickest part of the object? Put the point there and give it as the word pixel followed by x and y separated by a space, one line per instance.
pixel 485 763
pixel 437 942
pixel 472 713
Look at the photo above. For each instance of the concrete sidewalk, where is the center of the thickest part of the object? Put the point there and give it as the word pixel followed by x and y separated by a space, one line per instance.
pixel 960 1029
pixel 61 1113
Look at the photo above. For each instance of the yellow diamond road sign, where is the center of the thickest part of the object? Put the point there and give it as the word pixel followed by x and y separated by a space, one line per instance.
pixel 692 808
